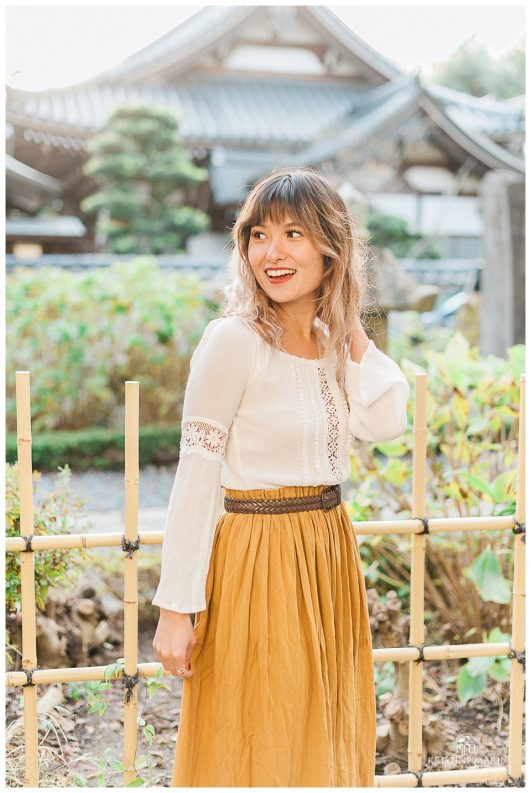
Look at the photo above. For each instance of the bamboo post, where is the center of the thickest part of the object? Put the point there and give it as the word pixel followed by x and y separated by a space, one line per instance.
pixel 516 696
pixel 418 558
pixel 131 579
pixel 27 579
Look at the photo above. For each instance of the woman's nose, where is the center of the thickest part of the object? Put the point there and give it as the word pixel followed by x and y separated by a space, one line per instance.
pixel 275 250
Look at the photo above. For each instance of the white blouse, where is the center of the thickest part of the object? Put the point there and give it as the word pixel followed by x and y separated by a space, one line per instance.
pixel 257 417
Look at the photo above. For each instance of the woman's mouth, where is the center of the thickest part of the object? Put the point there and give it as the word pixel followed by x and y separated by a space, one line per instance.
pixel 279 275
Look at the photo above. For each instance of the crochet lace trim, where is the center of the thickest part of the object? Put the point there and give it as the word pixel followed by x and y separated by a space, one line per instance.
pixel 333 424
pixel 203 436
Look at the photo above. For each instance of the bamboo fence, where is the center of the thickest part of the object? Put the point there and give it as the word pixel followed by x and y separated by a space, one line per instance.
pixel 419 526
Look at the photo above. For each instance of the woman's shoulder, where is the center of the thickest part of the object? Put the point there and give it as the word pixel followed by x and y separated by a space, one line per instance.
pixel 229 334
pixel 231 342
pixel 230 328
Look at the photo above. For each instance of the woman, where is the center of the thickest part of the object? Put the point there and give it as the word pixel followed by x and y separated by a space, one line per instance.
pixel 278 675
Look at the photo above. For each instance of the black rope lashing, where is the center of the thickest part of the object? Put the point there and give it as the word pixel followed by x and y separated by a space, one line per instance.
pixel 425 524
pixel 130 545
pixel 519 655
pixel 419 775
pixel 512 781
pixel 29 676
pixel 519 528
pixel 421 658
pixel 129 682
pixel 27 540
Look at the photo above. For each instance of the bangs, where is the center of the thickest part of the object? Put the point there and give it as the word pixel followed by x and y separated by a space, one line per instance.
pixel 276 201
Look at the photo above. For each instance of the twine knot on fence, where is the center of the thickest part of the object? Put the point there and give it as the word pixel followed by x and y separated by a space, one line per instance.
pixel 129 682
pixel 27 540
pixel 130 545
pixel 512 781
pixel 420 659
pixel 418 774
pixel 520 656
pixel 29 676
pixel 519 528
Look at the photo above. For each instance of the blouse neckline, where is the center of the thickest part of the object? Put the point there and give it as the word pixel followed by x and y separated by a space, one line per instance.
pixel 299 357
pixel 324 359
pixel 293 357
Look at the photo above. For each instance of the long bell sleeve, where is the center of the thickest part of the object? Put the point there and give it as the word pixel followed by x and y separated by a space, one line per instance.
pixel 378 393
pixel 219 372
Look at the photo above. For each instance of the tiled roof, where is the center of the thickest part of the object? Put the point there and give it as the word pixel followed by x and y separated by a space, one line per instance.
pixel 253 121
pixel 217 109
pixel 234 110
pixel 385 108
pixel 487 114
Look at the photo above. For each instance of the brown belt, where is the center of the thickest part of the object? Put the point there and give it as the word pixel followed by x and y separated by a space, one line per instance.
pixel 327 499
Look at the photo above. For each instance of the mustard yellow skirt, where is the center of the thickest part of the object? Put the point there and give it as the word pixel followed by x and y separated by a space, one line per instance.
pixel 282 693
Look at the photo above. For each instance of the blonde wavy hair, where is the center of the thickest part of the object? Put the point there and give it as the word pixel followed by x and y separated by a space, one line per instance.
pixel 307 198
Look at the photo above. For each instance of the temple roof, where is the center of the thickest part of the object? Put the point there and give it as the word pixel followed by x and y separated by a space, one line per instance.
pixel 247 119
pixel 252 111
pixel 180 48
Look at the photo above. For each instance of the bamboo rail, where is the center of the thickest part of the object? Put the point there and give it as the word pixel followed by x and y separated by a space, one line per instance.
pixel 419 526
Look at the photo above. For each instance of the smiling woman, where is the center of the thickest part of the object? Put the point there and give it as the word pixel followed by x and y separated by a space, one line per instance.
pixel 278 682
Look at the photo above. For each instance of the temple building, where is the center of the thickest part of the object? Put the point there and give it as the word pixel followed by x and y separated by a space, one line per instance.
pixel 256 87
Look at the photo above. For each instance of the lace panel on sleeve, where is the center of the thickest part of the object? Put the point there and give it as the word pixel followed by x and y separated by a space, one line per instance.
pixel 203 436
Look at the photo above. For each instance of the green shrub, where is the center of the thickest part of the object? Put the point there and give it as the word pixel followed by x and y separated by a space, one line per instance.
pixel 472 420
pixel 55 515
pixel 98 448
pixel 388 231
pixel 143 174
pixel 82 335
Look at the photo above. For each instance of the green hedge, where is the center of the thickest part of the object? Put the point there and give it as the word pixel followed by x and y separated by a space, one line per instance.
pixel 82 335
pixel 98 448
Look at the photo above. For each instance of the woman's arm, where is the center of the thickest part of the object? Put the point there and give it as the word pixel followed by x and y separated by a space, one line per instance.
pixel 219 372
pixel 359 343
pixel 377 390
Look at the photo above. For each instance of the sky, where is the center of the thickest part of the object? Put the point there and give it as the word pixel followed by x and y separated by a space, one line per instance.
pixel 55 45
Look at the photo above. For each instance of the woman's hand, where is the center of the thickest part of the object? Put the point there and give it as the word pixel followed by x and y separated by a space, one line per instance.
pixel 174 641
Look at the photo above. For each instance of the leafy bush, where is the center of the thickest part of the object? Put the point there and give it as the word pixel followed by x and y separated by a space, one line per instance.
pixel 81 335
pixel 55 567
pixel 472 419
pixel 388 231
pixel 474 676
pixel 143 172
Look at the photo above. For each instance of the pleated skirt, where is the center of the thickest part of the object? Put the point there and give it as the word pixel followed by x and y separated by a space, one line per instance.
pixel 282 693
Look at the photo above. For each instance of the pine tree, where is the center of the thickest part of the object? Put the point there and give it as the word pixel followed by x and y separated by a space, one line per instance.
pixel 143 172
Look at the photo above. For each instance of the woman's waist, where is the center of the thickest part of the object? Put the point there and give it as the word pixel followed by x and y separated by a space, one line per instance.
pixel 283 491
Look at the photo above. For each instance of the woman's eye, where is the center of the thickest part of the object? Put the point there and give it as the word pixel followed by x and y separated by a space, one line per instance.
pixel 290 231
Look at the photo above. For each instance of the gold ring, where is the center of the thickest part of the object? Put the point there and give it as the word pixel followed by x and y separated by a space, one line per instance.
pixel 181 670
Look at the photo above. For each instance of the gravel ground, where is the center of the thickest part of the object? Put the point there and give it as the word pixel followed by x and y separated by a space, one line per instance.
pixel 104 491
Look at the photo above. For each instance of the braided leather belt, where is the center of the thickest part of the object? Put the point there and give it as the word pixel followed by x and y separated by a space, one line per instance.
pixel 327 499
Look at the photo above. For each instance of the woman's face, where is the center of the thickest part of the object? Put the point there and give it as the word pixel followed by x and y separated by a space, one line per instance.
pixel 274 247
